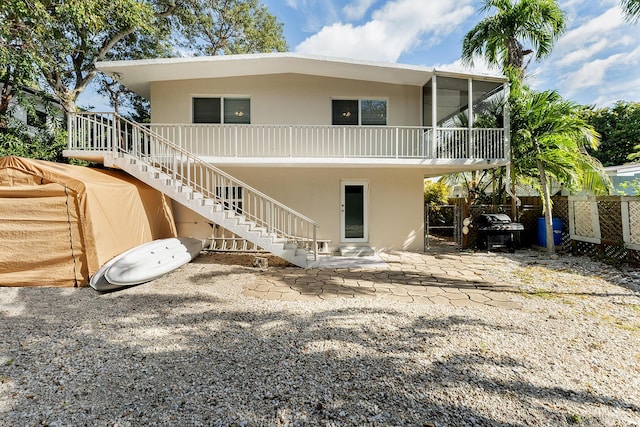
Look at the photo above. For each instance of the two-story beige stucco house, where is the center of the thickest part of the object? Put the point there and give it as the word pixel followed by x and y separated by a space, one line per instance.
pixel 299 148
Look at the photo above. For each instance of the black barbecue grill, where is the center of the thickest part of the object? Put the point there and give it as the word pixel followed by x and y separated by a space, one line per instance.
pixel 497 231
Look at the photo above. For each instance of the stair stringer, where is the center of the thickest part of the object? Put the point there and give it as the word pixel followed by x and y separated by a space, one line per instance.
pixel 213 211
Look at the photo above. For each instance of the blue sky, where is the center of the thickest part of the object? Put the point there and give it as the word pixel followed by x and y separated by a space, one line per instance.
pixel 596 61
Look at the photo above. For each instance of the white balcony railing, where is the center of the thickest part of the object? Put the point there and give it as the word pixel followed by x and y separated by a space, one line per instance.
pixel 315 141
pixel 309 141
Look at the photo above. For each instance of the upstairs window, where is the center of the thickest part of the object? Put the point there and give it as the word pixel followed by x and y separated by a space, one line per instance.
pixel 222 110
pixel 365 112
pixel 344 112
pixel 237 111
pixel 374 112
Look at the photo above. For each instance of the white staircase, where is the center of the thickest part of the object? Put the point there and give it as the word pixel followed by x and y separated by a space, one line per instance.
pixel 198 185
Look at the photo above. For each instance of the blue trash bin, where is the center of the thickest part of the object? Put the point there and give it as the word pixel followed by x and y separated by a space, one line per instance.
pixel 542 232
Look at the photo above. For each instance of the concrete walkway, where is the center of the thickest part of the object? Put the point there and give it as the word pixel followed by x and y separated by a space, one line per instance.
pixel 425 278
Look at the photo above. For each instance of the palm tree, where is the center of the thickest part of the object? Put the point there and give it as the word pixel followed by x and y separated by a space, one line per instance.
pixel 550 140
pixel 501 38
pixel 631 9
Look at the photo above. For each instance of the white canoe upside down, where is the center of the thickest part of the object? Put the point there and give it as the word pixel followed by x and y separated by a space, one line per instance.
pixel 146 262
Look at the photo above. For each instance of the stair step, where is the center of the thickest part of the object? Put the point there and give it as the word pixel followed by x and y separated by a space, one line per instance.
pixel 219 212
pixel 356 251
pixel 262 230
pixel 250 224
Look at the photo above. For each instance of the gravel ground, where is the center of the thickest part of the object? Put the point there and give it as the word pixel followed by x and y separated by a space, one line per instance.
pixel 190 349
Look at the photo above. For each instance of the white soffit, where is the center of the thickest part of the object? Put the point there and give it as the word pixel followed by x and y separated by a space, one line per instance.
pixel 138 74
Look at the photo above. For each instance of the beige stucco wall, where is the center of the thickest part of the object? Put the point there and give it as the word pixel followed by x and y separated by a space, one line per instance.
pixel 395 212
pixel 284 98
pixel 395 195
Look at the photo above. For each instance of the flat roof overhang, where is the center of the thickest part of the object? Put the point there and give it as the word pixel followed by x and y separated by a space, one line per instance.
pixel 137 75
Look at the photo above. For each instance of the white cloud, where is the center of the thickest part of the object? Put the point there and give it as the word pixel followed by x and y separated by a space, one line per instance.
pixel 584 54
pixel 629 90
pixel 593 73
pixel 394 28
pixel 315 13
pixel 480 66
pixel 356 10
pixel 597 58
pixel 591 31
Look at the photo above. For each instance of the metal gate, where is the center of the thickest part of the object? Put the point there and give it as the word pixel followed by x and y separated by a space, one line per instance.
pixel 444 221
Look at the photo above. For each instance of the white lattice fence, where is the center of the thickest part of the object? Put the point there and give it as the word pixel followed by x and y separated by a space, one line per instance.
pixel 611 224
pixel 631 222
pixel 584 224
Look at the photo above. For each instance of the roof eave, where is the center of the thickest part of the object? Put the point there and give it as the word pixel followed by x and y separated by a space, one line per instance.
pixel 138 74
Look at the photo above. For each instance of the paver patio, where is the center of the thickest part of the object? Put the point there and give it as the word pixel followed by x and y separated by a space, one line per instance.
pixel 453 278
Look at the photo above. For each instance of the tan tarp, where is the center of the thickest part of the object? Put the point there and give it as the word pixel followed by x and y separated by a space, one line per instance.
pixel 59 223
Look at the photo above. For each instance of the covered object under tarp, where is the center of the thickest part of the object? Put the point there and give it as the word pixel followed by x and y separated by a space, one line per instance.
pixel 59 223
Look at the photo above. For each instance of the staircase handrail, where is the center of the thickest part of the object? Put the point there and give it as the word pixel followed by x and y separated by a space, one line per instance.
pixel 119 145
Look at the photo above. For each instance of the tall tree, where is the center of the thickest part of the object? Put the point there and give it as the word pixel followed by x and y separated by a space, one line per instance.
pixel 75 34
pixel 17 59
pixel 202 27
pixel 214 27
pixel 518 29
pixel 70 36
pixel 631 9
pixel 618 126
pixel 550 137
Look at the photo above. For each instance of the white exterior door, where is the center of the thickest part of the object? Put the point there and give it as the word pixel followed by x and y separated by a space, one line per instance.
pixel 353 211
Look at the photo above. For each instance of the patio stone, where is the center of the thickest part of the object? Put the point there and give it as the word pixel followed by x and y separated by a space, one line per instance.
pixel 452 279
pixel 464 303
pixel 400 298
pixel 273 295
pixel 253 293
pixel 399 290
pixel 457 295
pixel 479 298
pixel 438 299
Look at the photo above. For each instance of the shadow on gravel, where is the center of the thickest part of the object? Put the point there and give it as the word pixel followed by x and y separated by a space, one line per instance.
pixel 159 359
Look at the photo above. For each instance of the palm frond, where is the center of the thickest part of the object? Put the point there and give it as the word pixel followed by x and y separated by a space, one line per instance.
pixel 631 9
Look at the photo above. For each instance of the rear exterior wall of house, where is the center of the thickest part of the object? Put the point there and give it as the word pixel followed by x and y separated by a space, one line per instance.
pixel 284 99
pixel 394 212
pixel 394 209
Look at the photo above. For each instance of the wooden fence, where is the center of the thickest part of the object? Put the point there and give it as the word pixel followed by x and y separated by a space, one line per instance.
pixel 596 226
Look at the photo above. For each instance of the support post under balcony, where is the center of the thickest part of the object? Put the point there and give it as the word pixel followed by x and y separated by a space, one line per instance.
pixel 315 243
pixel 470 153
pixel 434 115
pixel 115 135
pixel 397 147
pixel 290 141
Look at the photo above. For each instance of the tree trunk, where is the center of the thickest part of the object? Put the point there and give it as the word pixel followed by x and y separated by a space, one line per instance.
pixel 67 104
pixel 548 211
pixel 514 196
